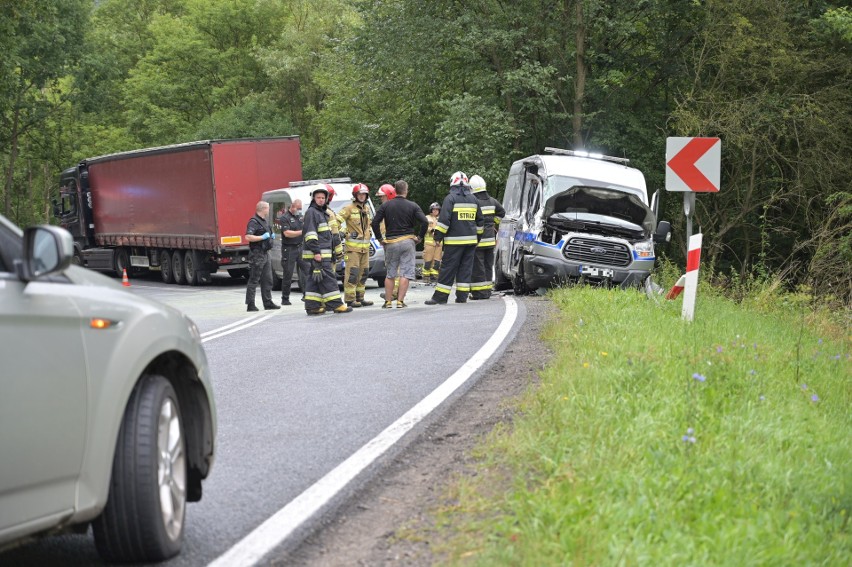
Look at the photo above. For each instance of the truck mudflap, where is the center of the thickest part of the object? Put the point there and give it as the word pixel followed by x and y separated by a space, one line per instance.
pixel 541 271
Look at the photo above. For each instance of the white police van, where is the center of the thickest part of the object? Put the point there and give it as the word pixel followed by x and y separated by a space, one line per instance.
pixel 573 216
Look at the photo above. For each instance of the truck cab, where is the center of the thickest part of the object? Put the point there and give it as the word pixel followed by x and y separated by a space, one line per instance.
pixel 575 216
pixel 73 209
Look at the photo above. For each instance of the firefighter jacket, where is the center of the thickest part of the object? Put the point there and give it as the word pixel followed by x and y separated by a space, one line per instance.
pixel 430 230
pixel 492 212
pixel 460 222
pixel 317 233
pixel 356 216
pixel 334 226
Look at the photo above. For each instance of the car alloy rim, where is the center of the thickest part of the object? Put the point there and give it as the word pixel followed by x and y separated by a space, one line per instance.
pixel 171 469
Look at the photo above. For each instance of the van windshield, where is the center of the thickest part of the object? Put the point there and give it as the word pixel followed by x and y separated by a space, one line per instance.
pixel 556 184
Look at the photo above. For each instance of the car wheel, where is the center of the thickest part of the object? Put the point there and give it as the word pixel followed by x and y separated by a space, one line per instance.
pixel 166 267
pixel 519 283
pixel 144 516
pixel 178 267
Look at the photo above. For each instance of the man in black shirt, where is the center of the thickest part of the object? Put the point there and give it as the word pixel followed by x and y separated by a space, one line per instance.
pixel 400 215
pixel 291 222
pixel 259 237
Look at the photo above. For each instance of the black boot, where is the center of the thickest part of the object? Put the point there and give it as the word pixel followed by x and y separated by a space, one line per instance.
pixel 252 307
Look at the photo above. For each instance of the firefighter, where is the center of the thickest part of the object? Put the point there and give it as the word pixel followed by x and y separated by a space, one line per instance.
pixel 321 291
pixel 432 249
pixel 460 227
pixel 356 216
pixel 483 260
pixel 259 236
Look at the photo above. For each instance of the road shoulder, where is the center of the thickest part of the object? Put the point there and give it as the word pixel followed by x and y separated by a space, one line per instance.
pixel 370 528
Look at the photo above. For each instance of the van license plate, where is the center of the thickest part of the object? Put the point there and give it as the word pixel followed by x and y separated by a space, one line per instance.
pixel 596 272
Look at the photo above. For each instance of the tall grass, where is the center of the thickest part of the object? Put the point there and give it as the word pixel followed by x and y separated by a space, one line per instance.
pixel 652 441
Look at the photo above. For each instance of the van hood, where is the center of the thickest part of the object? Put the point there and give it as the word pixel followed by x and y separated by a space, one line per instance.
pixel 600 205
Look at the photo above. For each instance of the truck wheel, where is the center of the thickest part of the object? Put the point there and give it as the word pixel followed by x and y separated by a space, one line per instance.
pixel 178 267
pixel 121 261
pixel 143 520
pixel 166 267
pixel 191 263
pixel 501 282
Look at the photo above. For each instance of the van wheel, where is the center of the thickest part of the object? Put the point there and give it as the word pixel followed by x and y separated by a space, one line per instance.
pixel 519 283
pixel 143 520
pixel 501 282
pixel 166 267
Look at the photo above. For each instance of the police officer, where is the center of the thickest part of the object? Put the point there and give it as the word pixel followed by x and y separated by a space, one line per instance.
pixel 260 237
pixel 357 218
pixel 460 227
pixel 483 259
pixel 321 291
pixel 291 222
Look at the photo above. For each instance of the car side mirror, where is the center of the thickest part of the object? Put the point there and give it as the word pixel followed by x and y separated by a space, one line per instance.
pixel 663 232
pixel 47 250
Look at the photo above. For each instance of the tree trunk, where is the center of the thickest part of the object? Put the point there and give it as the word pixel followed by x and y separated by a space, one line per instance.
pixel 13 156
pixel 580 81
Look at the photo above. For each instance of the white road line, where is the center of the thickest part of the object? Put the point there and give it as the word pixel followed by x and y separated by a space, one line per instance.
pixel 271 533
pixel 221 332
pixel 229 325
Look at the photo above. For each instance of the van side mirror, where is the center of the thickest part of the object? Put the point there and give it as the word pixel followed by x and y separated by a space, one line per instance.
pixel 663 232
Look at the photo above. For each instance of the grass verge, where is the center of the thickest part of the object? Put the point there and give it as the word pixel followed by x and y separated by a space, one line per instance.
pixel 652 441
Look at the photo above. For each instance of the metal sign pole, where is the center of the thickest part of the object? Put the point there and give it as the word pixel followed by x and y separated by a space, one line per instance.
pixel 688 208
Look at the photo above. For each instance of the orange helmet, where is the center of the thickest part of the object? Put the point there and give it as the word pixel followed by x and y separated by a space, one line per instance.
pixel 358 189
pixel 387 190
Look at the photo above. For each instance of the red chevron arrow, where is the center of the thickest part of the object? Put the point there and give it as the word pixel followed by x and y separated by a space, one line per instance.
pixel 683 164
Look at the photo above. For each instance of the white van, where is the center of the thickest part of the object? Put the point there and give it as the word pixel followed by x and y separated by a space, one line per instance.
pixel 573 216
pixel 280 200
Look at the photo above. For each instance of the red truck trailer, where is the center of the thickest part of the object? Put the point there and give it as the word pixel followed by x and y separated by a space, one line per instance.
pixel 181 210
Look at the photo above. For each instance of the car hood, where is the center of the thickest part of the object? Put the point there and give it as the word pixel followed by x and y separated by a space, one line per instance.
pixel 586 203
pixel 83 276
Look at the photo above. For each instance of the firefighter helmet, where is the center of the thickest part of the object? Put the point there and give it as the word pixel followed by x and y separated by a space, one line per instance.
pixel 358 189
pixel 387 190
pixel 330 192
pixel 320 189
pixel 459 178
pixel 477 184
pixel 434 206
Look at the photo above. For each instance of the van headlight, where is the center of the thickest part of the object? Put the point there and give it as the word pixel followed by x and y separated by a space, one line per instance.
pixel 644 249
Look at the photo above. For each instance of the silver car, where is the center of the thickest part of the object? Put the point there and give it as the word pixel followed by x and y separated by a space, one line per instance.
pixel 106 407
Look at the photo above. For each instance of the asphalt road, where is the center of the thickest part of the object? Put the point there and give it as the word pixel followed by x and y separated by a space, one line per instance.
pixel 296 397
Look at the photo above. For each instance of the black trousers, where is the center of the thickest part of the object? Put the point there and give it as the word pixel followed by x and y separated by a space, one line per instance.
pixel 291 258
pixel 456 266
pixel 482 280
pixel 260 272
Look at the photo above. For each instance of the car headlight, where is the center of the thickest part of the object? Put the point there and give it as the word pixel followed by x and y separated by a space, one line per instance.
pixel 644 248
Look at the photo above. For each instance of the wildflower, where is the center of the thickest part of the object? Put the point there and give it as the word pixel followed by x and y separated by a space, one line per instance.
pixel 699 377
pixel 719 348
pixel 692 439
pixel 585 365
pixel 804 386
pixel 836 357
pixel 819 342
pixel 604 353
pixel 690 431
pixel 752 371
pixel 762 398
pixel 814 398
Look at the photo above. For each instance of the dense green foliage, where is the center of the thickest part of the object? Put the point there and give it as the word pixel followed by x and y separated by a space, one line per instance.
pixel 416 90
pixel 652 441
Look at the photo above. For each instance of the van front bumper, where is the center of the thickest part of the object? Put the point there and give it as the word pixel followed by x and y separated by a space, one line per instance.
pixel 541 271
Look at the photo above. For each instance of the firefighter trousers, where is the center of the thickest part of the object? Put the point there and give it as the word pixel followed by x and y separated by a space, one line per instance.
pixel 483 273
pixel 324 293
pixel 431 260
pixel 456 266
pixel 355 276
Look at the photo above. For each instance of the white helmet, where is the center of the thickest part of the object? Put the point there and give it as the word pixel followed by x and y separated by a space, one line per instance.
pixel 459 178
pixel 477 184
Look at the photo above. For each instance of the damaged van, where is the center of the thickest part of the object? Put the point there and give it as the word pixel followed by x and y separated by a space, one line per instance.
pixel 573 215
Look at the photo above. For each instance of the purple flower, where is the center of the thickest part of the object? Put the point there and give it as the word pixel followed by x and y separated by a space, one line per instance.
pixel 690 431
pixel 699 377
pixel 819 342
pixel 814 398
pixel 804 386
pixel 719 348
pixel 836 357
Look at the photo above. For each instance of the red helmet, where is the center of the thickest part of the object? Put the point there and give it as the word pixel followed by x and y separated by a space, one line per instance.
pixel 330 192
pixel 387 190
pixel 359 188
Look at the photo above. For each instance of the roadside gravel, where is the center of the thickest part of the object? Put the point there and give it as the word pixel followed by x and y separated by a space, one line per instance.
pixel 404 496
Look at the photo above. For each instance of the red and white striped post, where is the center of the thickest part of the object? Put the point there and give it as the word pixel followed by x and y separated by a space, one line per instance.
pixel 693 259
pixel 677 288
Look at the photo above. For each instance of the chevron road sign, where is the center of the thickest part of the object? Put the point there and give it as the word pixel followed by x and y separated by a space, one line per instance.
pixel 693 164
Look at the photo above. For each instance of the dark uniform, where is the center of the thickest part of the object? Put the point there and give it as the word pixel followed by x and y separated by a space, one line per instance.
pixel 460 226
pixel 324 295
pixel 483 260
pixel 291 253
pixel 260 267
